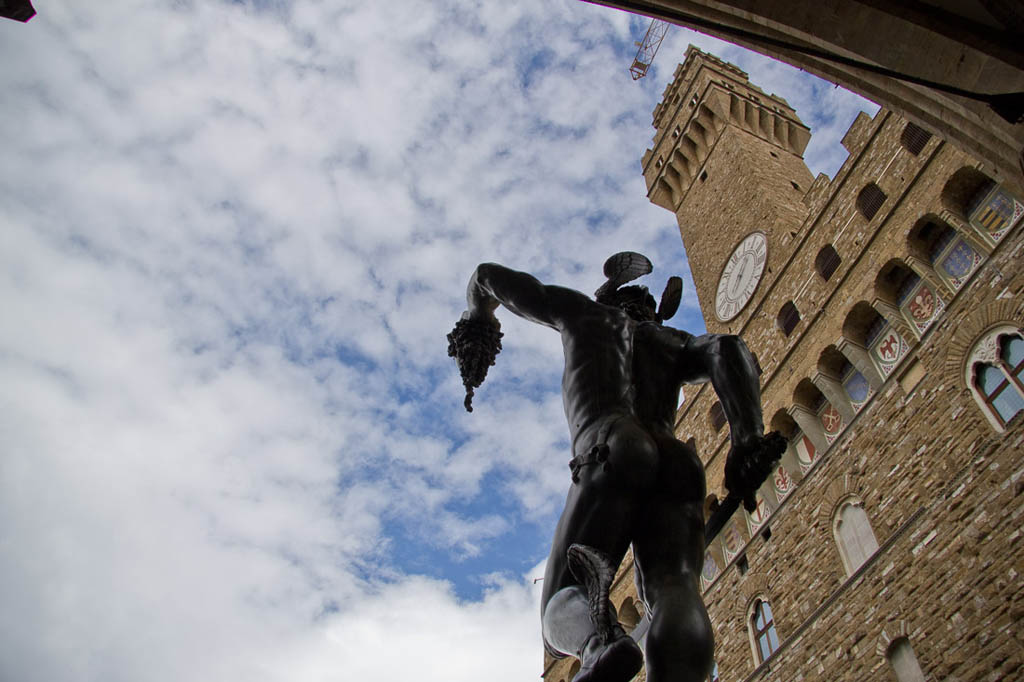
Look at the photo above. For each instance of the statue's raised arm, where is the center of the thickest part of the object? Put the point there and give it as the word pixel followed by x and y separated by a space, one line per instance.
pixel 492 285
pixel 476 339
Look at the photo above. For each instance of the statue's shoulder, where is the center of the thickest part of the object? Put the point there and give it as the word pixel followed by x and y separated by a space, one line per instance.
pixel 679 333
pixel 665 333
pixel 581 313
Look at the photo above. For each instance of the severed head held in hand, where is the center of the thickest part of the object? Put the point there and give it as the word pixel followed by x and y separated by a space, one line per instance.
pixel 475 345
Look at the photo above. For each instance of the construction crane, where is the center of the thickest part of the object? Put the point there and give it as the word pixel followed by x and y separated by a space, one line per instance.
pixel 648 48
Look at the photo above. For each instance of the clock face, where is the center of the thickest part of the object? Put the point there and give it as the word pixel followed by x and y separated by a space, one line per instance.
pixel 740 276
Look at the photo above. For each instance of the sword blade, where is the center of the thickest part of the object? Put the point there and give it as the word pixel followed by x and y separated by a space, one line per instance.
pixel 720 517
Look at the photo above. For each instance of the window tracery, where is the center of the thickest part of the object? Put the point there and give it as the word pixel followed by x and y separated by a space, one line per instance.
pixel 995 374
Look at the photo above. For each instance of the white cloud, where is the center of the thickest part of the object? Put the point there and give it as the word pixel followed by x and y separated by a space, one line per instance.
pixel 232 239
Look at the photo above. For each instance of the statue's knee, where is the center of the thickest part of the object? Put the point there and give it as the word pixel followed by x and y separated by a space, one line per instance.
pixel 565 623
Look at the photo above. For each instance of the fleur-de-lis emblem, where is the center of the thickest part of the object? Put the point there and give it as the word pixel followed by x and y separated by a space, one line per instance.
pixel 782 479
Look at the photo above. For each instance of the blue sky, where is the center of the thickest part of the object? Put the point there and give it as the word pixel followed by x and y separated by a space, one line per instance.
pixel 233 236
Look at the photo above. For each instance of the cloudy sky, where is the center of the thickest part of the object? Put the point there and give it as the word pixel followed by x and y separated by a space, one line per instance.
pixel 233 236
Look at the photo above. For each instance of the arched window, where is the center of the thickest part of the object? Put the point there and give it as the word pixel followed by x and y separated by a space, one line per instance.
pixel 996 374
pixel 907 287
pixel 895 281
pixel 990 208
pixel 827 261
pixel 762 630
pixel 788 318
pixel 930 238
pixel 853 534
pixel 903 661
pixel 870 200
pixel 962 189
pixel 914 138
pixel 717 416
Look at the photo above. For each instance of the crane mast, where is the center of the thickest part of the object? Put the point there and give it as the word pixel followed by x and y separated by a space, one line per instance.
pixel 648 48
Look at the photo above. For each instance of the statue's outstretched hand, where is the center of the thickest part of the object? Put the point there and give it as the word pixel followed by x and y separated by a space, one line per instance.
pixel 750 464
pixel 474 343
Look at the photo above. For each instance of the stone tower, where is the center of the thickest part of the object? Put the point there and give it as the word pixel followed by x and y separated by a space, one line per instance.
pixel 711 122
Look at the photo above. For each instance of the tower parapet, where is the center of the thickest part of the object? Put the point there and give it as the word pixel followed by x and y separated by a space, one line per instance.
pixel 706 95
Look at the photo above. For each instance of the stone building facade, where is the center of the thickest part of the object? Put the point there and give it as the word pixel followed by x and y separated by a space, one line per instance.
pixel 885 307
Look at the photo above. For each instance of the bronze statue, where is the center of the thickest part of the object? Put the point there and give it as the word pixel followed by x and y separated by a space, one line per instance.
pixel 633 481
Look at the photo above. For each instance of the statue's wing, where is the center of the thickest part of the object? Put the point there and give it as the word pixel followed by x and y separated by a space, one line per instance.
pixel 623 267
pixel 627 266
pixel 670 298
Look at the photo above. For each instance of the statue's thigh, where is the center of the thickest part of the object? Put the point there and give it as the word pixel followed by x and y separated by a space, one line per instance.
pixel 668 542
pixel 594 516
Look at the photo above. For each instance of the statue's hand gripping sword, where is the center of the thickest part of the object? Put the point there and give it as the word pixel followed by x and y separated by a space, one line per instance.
pixel 752 472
